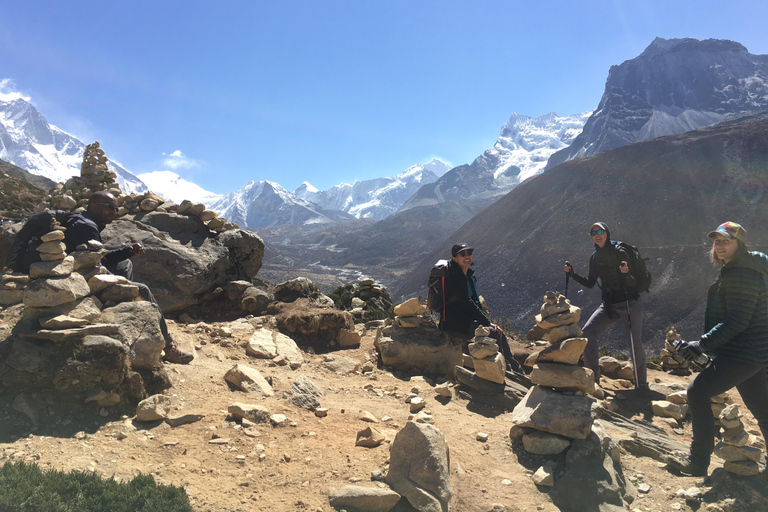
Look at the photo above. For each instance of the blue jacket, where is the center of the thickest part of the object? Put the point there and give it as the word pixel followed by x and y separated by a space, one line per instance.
pixel 736 318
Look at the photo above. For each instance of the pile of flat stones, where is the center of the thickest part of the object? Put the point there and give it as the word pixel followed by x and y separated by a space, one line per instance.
pixel 410 314
pixel 734 449
pixel 487 361
pixel 557 407
pixel 369 296
pixel 12 288
pixel 671 361
pixel 96 176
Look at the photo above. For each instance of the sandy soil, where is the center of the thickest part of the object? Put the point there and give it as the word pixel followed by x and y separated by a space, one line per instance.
pixel 292 468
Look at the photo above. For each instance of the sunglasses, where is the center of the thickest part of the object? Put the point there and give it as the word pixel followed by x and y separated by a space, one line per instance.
pixel 466 252
pixel 597 232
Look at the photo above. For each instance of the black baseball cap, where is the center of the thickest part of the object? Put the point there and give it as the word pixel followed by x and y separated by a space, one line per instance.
pixel 457 248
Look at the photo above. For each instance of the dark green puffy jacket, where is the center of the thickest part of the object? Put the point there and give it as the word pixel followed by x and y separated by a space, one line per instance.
pixel 736 319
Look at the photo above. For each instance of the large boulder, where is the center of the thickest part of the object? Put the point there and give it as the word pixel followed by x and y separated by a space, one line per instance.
pixel 309 325
pixel 298 288
pixel 139 330
pixel 549 411
pixel 419 467
pixel 593 478
pixel 420 350
pixel 183 259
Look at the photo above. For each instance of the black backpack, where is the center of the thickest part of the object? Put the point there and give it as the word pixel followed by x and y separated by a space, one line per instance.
pixel 436 287
pixel 637 264
pixel 23 250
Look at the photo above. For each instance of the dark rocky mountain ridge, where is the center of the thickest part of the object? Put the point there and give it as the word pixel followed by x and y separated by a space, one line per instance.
pixel 675 85
pixel 663 195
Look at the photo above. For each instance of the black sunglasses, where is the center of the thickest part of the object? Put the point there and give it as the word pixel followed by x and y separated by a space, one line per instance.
pixel 597 232
pixel 466 252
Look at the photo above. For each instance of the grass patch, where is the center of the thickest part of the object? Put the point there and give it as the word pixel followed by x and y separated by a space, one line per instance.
pixel 27 488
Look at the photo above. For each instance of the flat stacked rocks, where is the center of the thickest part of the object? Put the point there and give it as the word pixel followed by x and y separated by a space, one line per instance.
pixel 12 288
pixel 671 361
pixel 556 408
pixel 410 314
pixel 487 361
pixel 734 449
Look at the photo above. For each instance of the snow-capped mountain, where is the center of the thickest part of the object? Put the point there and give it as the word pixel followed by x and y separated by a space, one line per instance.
pixel 376 198
pixel 175 188
pixel 674 86
pixel 267 204
pixel 521 151
pixel 28 141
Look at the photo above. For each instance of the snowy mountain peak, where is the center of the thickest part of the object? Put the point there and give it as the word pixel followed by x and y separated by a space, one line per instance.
pixel 376 198
pixel 28 141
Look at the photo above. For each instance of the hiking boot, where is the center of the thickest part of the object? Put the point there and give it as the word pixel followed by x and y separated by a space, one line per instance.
pixel 687 466
pixel 173 354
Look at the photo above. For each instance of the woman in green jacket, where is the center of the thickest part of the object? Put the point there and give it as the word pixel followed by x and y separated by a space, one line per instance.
pixel 736 325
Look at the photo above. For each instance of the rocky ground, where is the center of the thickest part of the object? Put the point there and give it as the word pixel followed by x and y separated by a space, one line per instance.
pixel 226 466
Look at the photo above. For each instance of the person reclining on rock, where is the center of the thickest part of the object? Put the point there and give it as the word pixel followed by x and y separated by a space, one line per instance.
pixel 463 313
pixel 102 210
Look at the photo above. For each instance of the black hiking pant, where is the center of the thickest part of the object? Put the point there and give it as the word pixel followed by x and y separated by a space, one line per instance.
pixel 751 382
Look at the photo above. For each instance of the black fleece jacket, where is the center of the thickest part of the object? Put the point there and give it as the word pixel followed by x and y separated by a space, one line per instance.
pixel 83 228
pixel 462 304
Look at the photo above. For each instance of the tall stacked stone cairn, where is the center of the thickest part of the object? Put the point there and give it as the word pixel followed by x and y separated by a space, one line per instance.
pixel 671 361
pixel 95 176
pixel 556 408
pixel 558 415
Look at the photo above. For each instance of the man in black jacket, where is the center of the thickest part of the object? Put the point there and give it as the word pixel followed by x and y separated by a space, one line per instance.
pixel 102 209
pixel 620 301
pixel 463 312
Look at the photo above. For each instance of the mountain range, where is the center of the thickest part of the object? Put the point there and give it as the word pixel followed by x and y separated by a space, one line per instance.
pixel 674 86
pixel 521 151
pixel 377 198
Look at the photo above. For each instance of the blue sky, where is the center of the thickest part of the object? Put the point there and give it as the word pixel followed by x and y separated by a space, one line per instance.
pixel 327 91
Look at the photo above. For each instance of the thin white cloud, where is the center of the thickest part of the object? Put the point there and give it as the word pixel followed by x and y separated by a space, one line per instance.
pixel 178 160
pixel 8 91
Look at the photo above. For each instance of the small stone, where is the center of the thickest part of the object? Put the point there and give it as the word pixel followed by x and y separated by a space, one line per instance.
pixel 482 437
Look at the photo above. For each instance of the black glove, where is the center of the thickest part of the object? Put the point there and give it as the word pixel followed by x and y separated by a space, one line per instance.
pixel 691 350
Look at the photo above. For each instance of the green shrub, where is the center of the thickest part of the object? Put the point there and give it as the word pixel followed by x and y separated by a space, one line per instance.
pixel 342 296
pixel 27 488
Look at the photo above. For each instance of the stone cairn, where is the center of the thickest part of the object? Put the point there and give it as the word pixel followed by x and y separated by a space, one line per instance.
pixel 671 361
pixel 95 176
pixel 410 314
pixel 734 448
pixel 487 361
pixel 65 303
pixel 557 408
pixel 369 296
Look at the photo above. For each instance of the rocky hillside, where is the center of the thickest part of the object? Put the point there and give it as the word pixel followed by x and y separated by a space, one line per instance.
pixel 674 86
pixel 20 191
pixel 663 195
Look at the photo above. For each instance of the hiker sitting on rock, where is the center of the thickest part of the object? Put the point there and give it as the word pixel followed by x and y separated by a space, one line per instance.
pixel 102 210
pixel 612 265
pixel 463 312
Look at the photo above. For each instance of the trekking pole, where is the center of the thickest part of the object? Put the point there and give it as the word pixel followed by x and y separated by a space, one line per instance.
pixel 567 278
pixel 632 341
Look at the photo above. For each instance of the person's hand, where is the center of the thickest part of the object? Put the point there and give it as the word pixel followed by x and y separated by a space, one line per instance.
pixel 568 268
pixel 137 250
pixel 691 350
pixel 624 267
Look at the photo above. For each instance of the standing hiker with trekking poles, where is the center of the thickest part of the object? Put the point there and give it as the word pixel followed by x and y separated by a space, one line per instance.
pixel 620 273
